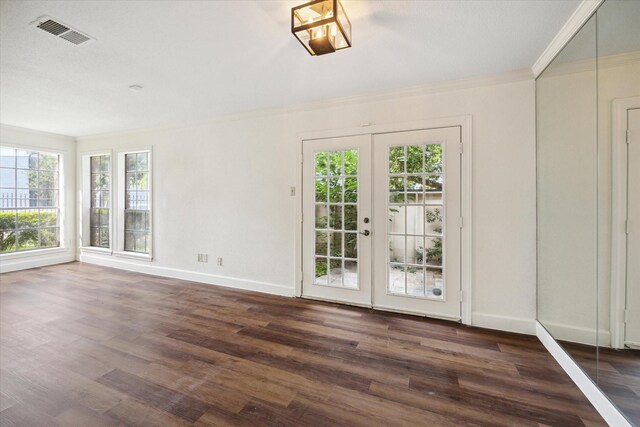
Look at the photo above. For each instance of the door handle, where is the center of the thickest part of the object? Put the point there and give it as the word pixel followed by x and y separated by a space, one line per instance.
pixel 365 232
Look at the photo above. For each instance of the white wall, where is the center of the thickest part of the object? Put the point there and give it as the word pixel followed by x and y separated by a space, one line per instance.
pixel 23 138
pixel 222 188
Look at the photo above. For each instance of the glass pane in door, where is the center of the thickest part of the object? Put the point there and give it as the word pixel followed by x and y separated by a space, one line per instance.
pixel 336 218
pixel 415 232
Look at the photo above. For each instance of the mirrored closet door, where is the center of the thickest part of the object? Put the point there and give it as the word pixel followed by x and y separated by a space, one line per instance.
pixel 588 168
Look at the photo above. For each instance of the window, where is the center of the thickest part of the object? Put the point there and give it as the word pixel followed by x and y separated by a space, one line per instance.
pixel 137 218
pixel 100 201
pixel 336 218
pixel 29 200
pixel 415 230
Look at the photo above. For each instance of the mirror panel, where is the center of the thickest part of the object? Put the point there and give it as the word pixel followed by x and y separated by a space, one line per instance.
pixel 567 184
pixel 618 25
pixel 588 187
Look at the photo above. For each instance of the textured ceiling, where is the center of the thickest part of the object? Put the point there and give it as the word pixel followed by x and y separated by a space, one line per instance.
pixel 201 59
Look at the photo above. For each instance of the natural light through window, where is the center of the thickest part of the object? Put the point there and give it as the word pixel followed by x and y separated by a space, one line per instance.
pixel 29 200
pixel 100 201
pixel 336 218
pixel 415 228
pixel 137 218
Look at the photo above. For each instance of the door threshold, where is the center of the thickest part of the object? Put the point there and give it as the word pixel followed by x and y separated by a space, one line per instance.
pixel 456 319
pixel 334 301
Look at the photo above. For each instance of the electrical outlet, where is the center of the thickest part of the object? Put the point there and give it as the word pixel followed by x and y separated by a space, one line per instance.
pixel 220 261
pixel 203 257
pixel 292 191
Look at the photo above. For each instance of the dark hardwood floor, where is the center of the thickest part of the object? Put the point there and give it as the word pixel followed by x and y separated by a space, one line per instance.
pixel 87 346
pixel 617 373
pixel 619 377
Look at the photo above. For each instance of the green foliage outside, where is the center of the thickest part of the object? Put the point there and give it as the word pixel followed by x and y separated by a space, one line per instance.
pixel 413 158
pixel 337 182
pixel 434 253
pixel 26 224
pixel 321 269
pixel 20 231
pixel 47 175
pixel 330 167
pixel 332 170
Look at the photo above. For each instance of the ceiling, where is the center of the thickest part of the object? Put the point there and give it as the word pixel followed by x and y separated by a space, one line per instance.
pixel 201 59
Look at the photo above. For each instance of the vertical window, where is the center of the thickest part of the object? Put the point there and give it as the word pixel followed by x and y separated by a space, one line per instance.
pixel 137 218
pixel 336 218
pixel 416 212
pixel 29 200
pixel 100 201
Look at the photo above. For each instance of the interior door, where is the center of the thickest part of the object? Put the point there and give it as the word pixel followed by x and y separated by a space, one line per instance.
pixel 417 253
pixel 632 324
pixel 336 219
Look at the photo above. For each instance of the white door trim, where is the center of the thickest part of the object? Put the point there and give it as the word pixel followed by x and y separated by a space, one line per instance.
pixel 465 122
pixel 619 215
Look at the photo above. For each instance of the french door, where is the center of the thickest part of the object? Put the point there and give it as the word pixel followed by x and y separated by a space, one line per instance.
pixel 336 212
pixel 416 222
pixel 381 221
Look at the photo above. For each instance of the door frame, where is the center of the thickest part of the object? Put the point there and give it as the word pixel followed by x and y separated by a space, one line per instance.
pixel 465 122
pixel 619 109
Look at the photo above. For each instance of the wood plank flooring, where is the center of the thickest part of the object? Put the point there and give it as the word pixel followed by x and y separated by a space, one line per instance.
pixel 618 374
pixel 83 345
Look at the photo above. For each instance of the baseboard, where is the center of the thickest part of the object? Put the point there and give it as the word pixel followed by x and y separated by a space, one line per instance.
pixel 632 344
pixel 17 264
pixel 521 325
pixel 193 276
pixel 577 334
pixel 602 404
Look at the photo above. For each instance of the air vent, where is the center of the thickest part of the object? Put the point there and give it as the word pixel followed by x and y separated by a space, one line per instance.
pixel 62 31
pixel 75 37
pixel 53 27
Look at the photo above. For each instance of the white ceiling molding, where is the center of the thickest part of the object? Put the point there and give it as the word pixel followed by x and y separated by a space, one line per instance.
pixel 568 30
pixel 8 129
pixel 407 92
pixel 584 65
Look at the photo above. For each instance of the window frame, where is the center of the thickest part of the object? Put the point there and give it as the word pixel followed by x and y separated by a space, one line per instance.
pixel 121 204
pixel 60 205
pixel 85 238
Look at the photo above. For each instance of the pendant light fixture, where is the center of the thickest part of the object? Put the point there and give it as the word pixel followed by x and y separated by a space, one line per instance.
pixel 322 26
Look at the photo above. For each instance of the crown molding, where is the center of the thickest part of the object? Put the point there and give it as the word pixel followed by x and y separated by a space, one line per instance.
pixel 402 93
pixel 579 17
pixel 590 64
pixel 11 128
